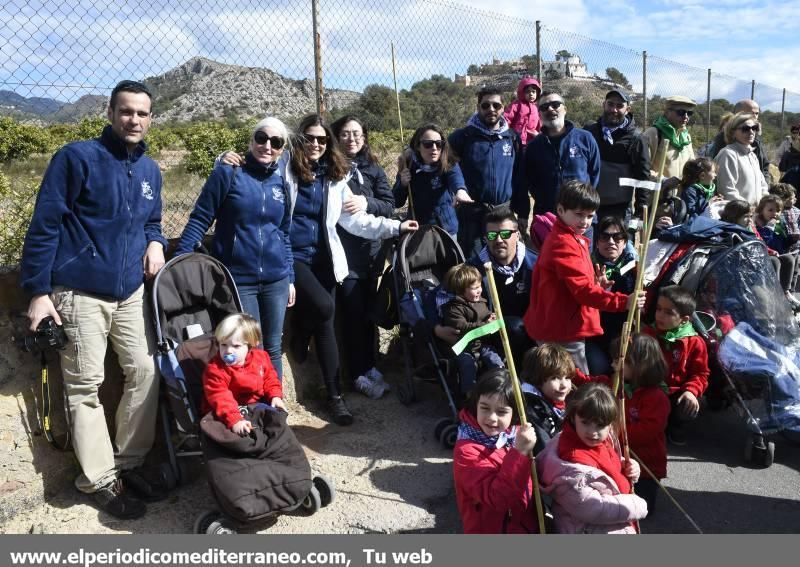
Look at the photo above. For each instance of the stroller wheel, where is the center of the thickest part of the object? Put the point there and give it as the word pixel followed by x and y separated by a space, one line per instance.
pixel 405 392
pixel 204 521
pixel 440 425
pixel 326 489
pixel 220 527
pixel 449 435
pixel 168 477
pixel 313 501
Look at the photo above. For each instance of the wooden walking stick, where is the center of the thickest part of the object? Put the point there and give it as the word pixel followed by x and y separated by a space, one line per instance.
pixel 516 389
pixel 397 97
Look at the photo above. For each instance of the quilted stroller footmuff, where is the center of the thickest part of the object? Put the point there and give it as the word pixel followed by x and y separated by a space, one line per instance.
pixel 257 475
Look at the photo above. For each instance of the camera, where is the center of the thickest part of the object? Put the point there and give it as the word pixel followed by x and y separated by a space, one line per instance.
pixel 48 335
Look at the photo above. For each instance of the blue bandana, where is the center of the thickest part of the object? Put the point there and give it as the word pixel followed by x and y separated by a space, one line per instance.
pixel 475 121
pixel 506 438
pixel 505 271
pixel 608 130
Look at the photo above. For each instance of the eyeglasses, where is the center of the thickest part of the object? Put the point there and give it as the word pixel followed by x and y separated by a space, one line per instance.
pixel 492 235
pixel 262 138
pixel 746 128
pixel 608 236
pixel 355 135
pixel 488 105
pixel 428 144
pixel 321 140
pixel 554 104
pixel 683 112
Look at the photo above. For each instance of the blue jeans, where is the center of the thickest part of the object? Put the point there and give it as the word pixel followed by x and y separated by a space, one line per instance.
pixel 266 302
pixel 468 365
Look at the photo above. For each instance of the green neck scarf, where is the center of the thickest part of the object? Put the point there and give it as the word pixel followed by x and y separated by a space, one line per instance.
pixel 677 140
pixel 681 331
pixel 708 190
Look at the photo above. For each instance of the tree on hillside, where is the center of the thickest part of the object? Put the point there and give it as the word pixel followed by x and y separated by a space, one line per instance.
pixel 616 75
pixel 563 53
pixel 531 63
pixel 473 69
pixel 552 75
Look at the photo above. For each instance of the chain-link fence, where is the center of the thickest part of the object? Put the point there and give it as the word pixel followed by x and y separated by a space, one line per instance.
pixel 216 66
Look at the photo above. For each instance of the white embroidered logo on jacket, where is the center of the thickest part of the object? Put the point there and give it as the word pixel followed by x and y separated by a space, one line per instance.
pixel 147 191
pixel 277 194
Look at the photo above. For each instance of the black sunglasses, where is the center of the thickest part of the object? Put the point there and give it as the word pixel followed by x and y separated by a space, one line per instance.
pixel 261 138
pixel 607 236
pixel 428 144
pixel 683 112
pixel 488 105
pixel 504 234
pixel 746 128
pixel 554 104
pixel 321 140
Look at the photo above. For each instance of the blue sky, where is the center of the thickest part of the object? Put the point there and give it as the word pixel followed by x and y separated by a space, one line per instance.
pixel 49 48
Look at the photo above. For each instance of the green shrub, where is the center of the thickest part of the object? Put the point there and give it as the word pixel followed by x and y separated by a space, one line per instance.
pixel 16 210
pixel 205 141
pixel 21 140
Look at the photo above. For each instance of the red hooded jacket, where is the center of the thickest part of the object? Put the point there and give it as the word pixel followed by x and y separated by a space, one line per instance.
pixel 493 487
pixel 687 359
pixel 228 387
pixel 523 116
pixel 564 296
pixel 646 413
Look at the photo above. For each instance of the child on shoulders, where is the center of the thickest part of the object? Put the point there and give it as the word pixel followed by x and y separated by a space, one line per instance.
pixel 467 311
pixel 239 374
pixel 584 473
pixel 492 462
pixel 686 356
pixel 567 294
pixel 523 115
pixel 547 373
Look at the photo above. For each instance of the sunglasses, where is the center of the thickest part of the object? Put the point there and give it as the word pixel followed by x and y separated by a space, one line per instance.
pixel 608 236
pixel 321 140
pixel 428 144
pixel 683 112
pixel 746 128
pixel 554 104
pixel 262 138
pixel 494 105
pixel 504 234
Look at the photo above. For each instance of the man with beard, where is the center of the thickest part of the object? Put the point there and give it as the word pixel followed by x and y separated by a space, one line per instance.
pixel 673 125
pixel 489 153
pixel 564 152
pixel 623 153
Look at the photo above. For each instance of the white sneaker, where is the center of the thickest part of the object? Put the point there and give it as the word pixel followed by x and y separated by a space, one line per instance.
pixel 377 376
pixel 369 388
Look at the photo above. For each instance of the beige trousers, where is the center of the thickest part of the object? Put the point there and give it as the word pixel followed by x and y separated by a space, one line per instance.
pixel 89 322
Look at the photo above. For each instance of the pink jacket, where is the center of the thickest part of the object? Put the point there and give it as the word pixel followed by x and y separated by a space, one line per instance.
pixel 523 116
pixel 585 499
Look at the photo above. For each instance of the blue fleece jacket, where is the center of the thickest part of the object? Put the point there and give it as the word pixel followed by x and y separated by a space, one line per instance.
pixel 97 209
pixel 489 163
pixel 551 161
pixel 433 195
pixel 251 207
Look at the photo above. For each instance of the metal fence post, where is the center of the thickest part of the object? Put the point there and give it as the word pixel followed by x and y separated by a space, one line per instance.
pixel 317 57
pixel 539 52
pixel 644 85
pixel 783 110
pixel 708 108
pixel 753 89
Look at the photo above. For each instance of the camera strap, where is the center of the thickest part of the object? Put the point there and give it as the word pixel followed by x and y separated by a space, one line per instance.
pixel 46 424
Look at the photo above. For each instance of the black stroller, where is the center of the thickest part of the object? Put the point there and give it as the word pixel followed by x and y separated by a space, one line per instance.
pixel 419 262
pixel 191 295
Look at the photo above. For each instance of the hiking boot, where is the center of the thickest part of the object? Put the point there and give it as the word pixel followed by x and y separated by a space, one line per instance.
pixel 377 376
pixel 339 412
pixel 114 500
pixel 369 388
pixel 144 484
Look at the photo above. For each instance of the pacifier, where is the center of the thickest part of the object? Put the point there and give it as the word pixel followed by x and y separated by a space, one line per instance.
pixel 229 358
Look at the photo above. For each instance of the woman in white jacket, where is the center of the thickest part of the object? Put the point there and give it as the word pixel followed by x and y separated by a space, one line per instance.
pixel 739 173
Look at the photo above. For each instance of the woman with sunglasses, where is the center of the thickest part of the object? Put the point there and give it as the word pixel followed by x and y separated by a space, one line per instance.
pixel 371 193
pixel 615 259
pixel 427 174
pixel 251 207
pixel 739 174
pixel 317 188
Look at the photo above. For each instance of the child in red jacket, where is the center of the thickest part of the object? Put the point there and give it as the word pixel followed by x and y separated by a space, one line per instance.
pixel 492 462
pixel 567 294
pixel 647 410
pixel 686 356
pixel 240 374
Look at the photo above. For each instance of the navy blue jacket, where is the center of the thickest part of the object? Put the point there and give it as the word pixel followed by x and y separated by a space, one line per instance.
pixel 251 207
pixel 433 195
pixel 97 210
pixel 373 185
pixel 550 162
pixel 696 201
pixel 490 164
pixel 623 283
pixel 516 294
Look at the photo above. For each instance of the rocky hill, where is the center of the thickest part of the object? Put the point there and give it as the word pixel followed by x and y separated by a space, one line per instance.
pixel 200 89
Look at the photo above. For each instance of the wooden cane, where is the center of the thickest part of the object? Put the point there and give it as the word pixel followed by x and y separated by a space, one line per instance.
pixel 512 370
pixel 397 97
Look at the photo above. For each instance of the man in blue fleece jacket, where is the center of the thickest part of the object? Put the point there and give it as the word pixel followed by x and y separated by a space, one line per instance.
pixel 94 237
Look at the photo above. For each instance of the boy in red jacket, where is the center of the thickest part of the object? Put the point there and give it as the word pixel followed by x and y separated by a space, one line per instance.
pixel 567 294
pixel 686 355
pixel 240 374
